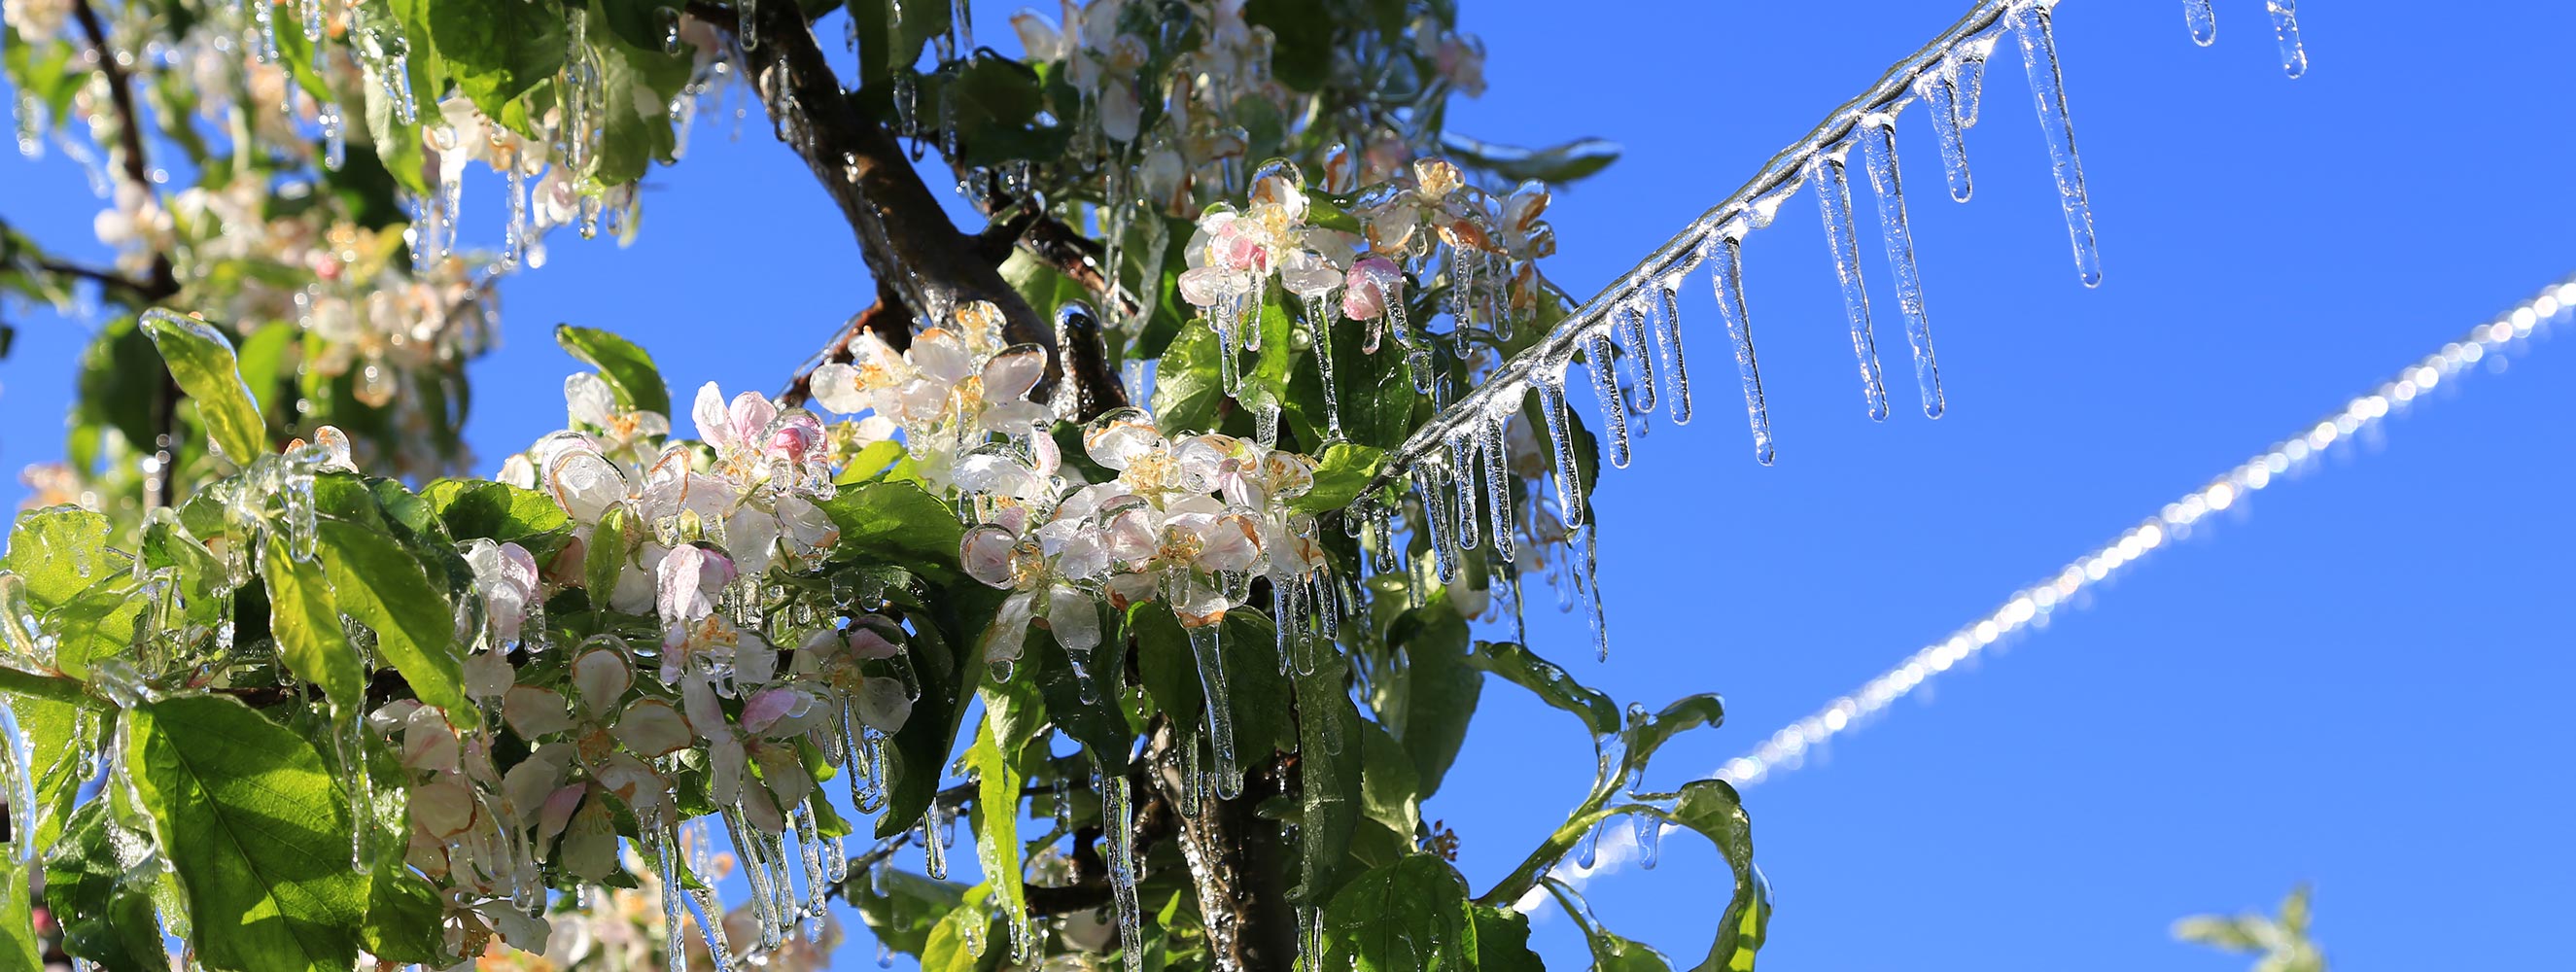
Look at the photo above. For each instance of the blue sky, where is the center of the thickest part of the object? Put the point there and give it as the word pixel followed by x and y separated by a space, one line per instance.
pixel 2352 681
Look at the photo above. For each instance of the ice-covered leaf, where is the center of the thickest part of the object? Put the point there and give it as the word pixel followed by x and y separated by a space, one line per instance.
pixel 305 619
pixel 471 508
pixel 997 820
pixel 629 372
pixel 1550 683
pixel 201 361
pixel 403 920
pixel 106 917
pixel 1389 791
pixel 1714 810
pixel 898 525
pixel 59 552
pixel 1408 916
pixel 1341 475
pixel 19 947
pixel 1187 388
pixel 381 584
pixel 1555 165
pixel 1329 776
pixel 901 907
pixel 1438 690
pixel 257 831
pixel 497 50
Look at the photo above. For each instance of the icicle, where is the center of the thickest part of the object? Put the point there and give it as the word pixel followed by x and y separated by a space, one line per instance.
pixel 313 17
pixel 1631 317
pixel 1428 489
pixel 1117 812
pixel 515 236
pixel 1650 839
pixel 1605 384
pixel 934 851
pixel 1288 623
pixel 1668 335
pixel 2285 25
pixel 1877 136
pixel 664 842
pixel 2202 21
pixel 351 734
pixel 1833 201
pixel 1939 88
pixel 1550 379
pixel 1728 247
pixel 1193 777
pixel 335 136
pixel 1323 331
pixel 1206 643
pixel 1320 601
pixel 709 912
pixel 817 887
pixel 755 869
pixel 1226 318
pixel 1587 849
pixel 1967 69
pixel 1462 460
pixel 1587 543
pixel 2039 57
pixel 1498 483
pixel 265 20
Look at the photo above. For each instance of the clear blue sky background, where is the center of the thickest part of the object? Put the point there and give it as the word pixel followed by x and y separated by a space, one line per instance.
pixel 2355 682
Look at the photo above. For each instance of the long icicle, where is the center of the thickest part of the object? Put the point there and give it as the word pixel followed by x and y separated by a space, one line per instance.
pixel 1668 334
pixel 1605 383
pixel 1462 457
pixel 1498 482
pixel 2030 26
pixel 1833 202
pixel 1877 135
pixel 1940 90
pixel 1631 317
pixel 2285 26
pixel 1550 379
pixel 1116 807
pixel 1728 279
pixel 1207 645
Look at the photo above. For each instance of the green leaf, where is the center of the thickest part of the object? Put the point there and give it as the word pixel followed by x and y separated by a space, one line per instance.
pixel 59 552
pixel 499 512
pixel 1187 388
pixel 496 50
pixel 1248 645
pixel 901 907
pixel 257 832
pixel 946 951
pixel 997 819
pixel 637 82
pixel 378 582
pixel 90 887
pixel 1556 165
pixel 19 948
pixel 305 619
pixel 1341 476
pixel 404 920
pixel 1094 724
pixel 202 362
pixel 947 657
pixel 612 545
pixel 627 369
pixel 1388 787
pixel 899 525
pixel 1502 941
pixel 1329 776
pixel 1374 391
pixel 1714 810
pixel 1409 916
pixel 64 739
pixel 1440 688
pixel 96 623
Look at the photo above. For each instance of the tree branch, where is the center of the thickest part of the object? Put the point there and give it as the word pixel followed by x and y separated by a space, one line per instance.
pixel 904 236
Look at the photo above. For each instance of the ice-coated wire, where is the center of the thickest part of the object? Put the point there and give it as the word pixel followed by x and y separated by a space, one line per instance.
pixel 1509 384
pixel 1784 750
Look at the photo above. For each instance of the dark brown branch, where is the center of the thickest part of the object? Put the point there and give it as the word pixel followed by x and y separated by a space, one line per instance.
pixel 1087 360
pixel 888 318
pixel 904 236
pixel 164 282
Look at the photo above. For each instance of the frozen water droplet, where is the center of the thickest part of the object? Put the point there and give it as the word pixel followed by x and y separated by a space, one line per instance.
pixel 1833 202
pixel 1728 280
pixel 1878 150
pixel 2203 21
pixel 1650 839
pixel 2030 26
pixel 2285 26
pixel 1587 849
